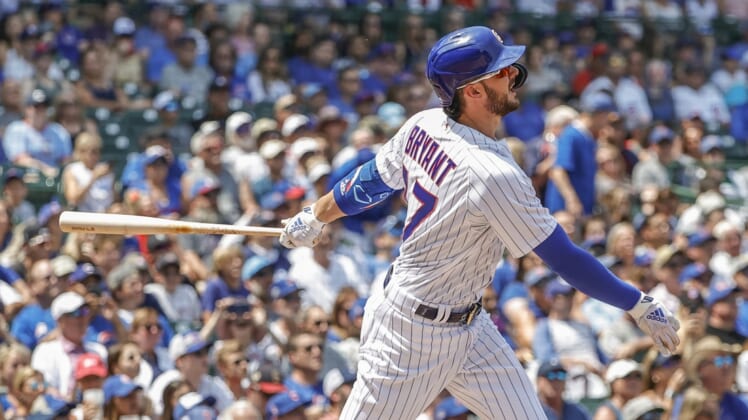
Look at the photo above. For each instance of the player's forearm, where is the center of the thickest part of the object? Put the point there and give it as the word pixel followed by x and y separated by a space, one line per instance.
pixel 583 271
pixel 326 210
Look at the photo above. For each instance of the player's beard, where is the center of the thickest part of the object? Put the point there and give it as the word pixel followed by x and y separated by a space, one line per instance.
pixel 500 105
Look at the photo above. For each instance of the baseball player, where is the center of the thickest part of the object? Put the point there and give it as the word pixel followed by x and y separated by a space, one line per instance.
pixel 467 200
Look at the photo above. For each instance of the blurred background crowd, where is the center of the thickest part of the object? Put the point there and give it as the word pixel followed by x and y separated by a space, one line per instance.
pixel 633 129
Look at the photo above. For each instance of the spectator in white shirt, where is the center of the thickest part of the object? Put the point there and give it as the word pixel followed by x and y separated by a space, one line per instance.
pixel 696 97
pixel 55 359
pixel 178 300
pixel 702 13
pixel 190 354
pixel 731 78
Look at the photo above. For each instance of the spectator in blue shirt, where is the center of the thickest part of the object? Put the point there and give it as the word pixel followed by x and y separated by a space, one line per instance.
pixel 305 357
pixel 134 171
pixel 551 383
pixel 227 282
pixel 35 319
pixel 35 142
pixel 317 66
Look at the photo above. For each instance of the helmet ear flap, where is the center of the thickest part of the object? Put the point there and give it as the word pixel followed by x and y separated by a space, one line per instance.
pixel 521 77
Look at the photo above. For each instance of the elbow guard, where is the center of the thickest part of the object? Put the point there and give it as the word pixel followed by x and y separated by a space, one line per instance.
pixel 361 189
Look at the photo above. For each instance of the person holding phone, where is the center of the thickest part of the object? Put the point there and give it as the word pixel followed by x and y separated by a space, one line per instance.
pixel 90 373
pixel 88 183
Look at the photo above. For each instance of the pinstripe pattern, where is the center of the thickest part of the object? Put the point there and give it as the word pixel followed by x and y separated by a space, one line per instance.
pixel 484 202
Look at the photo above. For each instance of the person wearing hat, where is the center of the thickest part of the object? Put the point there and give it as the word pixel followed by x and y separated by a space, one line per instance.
pixel 695 96
pixel 722 311
pixel 90 374
pixel 288 405
pixel 167 196
pixel 186 77
pixel 332 126
pixel 729 236
pixel 551 383
pixel 653 171
pixel 642 408
pixel 14 196
pixel 163 136
pixel 123 397
pixel 35 142
pixel 56 358
pixel 711 365
pixel 571 180
pixel 450 409
pixel 193 406
pixel 657 371
pixel 285 306
pixel 624 377
pixel 295 126
pixel 189 351
pixel 127 63
pixel 265 382
pixel 337 385
pixel 241 410
pixel 667 265
pixel 178 299
pixel 49 217
pixel 273 152
pixel 35 319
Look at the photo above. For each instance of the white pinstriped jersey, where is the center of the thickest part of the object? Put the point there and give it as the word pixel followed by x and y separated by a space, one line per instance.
pixel 467 200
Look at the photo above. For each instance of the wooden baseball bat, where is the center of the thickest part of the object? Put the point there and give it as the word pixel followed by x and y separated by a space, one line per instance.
pixel 125 224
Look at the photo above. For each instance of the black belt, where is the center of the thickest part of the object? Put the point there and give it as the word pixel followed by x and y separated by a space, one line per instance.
pixel 465 317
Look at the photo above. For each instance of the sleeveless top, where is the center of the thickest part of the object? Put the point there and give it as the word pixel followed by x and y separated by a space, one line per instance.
pixel 100 196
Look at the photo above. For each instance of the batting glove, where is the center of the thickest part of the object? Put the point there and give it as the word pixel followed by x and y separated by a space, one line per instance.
pixel 301 230
pixel 658 322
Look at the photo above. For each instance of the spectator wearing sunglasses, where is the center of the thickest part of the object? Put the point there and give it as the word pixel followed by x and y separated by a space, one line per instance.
pixel 305 357
pixel 551 382
pixel 56 358
pixel 232 364
pixel 178 300
pixel 624 377
pixel 190 354
pixel 711 365
pixel 146 333
pixel 35 320
pixel 27 386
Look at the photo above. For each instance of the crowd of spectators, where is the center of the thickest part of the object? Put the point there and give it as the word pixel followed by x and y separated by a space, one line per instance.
pixel 633 129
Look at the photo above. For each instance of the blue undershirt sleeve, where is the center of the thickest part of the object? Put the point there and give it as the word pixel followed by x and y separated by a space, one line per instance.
pixel 362 189
pixel 584 272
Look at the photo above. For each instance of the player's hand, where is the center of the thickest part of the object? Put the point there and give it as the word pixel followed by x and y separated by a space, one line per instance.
pixel 658 322
pixel 301 230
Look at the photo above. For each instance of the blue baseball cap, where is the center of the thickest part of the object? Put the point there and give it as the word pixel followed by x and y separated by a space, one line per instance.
pixel 153 153
pixel 48 211
pixel 692 271
pixel 254 265
pixel 661 133
pixel 13 173
pixel 699 238
pixel 193 406
pixel 83 271
pixel 185 344
pixel 285 403
pixel 449 407
pixel 357 309
pixel 55 407
pixel 118 386
pixel 282 288
pixel 720 290
pixel 272 200
pixel 557 287
pixel 711 142
pixel 599 102
pixel 552 365
pixel 204 186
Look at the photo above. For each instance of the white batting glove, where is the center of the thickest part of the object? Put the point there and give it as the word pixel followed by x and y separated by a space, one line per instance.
pixel 658 322
pixel 301 230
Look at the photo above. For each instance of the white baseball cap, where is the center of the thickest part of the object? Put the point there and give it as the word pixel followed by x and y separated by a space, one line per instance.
pixel 318 171
pixel 184 344
pixel 621 369
pixel 66 303
pixel 293 123
pixel 272 148
pixel 303 146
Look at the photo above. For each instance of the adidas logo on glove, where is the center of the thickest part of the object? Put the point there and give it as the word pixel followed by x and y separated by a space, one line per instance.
pixel 658 316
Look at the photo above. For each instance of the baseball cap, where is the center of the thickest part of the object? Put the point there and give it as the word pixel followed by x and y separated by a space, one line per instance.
pixel 693 271
pixel 661 133
pixel 318 170
pixel 285 102
pixel 193 406
pixel 310 89
pixel 334 379
pixel 621 368
pixel 538 275
pixel 262 127
pixel 282 288
pixel 665 254
pixel 158 242
pixel 357 310
pixel 699 238
pixel 639 406
pixel 557 287
pixel 123 26
pixel 304 145
pixel 118 386
pixel 384 49
pixel 295 123
pixel 710 201
pixel 286 402
pixel 50 408
pixel 599 102
pixel 719 290
pixel 254 265
pixel 711 142
pixel 168 259
pixel 90 364
pixel 13 173
pixel 237 120
pixel 185 344
pixel 364 96
pixel 449 407
pixel 272 148
pixel 218 83
pixel 550 366
pixel 272 200
pixel 154 153
pixel 63 265
pixel 704 348
pixel 165 101
pixel 38 97
pixel 268 379
pixel 119 274
pixel 84 271
pixel 203 186
pixel 739 264
pixel 66 303
pixel 392 114
pixel 48 211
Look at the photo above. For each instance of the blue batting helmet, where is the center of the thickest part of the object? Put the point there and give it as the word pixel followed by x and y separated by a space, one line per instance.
pixel 466 55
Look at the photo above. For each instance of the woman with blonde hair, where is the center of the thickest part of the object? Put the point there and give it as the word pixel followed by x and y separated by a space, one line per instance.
pixel 13 356
pixel 87 183
pixel 227 282
pixel 28 385
pixel 699 404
